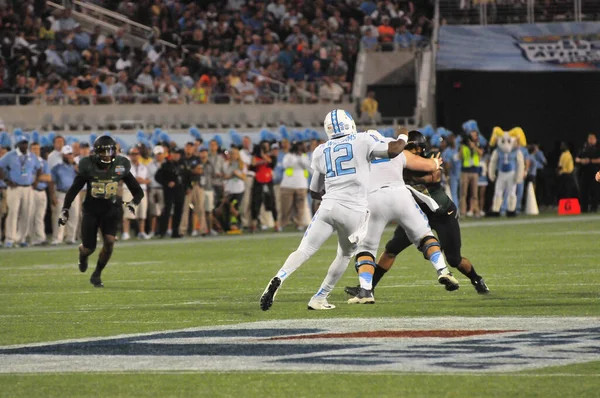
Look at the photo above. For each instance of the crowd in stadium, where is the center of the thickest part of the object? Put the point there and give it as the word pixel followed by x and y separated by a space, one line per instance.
pixel 204 189
pixel 226 51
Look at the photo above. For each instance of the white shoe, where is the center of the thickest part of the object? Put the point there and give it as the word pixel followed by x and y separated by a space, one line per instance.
pixel 469 214
pixel 55 243
pixel 169 232
pixel 264 227
pixel 301 229
pixel 125 236
pixel 319 303
pixel 143 235
pixel 213 233
pixel 195 233
pixel 150 235
pixel 482 214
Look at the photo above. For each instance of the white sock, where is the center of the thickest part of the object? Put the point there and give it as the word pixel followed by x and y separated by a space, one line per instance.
pixel 293 262
pixel 437 260
pixel 334 273
pixel 366 280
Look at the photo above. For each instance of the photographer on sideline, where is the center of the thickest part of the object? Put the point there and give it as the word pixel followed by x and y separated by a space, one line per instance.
pixel 294 186
pixel 470 154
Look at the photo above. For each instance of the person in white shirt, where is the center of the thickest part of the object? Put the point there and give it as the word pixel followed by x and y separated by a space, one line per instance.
pixel 156 199
pixel 294 185
pixel 246 90
pixel 330 91
pixel 341 168
pixel 140 172
pixel 56 157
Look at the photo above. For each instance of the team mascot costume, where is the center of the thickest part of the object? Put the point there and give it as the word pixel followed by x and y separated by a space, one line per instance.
pixel 507 167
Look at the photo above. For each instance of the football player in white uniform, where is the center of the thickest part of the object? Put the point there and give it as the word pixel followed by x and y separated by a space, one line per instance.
pixel 390 200
pixel 341 167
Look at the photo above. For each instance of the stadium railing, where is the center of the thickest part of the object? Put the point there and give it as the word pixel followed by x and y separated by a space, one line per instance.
pixel 484 12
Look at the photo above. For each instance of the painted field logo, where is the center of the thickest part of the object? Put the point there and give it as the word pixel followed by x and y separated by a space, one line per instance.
pixel 382 344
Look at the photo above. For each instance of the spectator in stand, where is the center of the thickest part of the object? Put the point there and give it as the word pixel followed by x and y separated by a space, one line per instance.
pixel 145 79
pixel 294 185
pixel 330 91
pixel 368 26
pixel 370 109
pixel 22 90
pixel 403 38
pixel 140 172
pixel 246 90
pixel 369 42
pixel 386 33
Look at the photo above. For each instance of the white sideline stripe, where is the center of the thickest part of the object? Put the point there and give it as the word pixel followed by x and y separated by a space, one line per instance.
pixel 340 372
pixel 282 235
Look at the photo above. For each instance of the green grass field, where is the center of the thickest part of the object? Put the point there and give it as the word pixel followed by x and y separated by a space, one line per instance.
pixel 534 267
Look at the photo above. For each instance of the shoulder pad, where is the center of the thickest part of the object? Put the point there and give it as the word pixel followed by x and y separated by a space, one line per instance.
pixel 85 165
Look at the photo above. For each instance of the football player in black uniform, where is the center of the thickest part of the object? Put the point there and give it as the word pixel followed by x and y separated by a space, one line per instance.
pixel 444 221
pixel 102 171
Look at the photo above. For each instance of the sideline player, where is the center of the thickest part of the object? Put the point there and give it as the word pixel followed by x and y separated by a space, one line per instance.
pixel 443 221
pixel 341 166
pixel 390 200
pixel 102 172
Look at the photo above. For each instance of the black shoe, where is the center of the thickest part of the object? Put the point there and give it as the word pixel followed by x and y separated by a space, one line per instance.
pixel 364 296
pixel 352 290
pixel 83 263
pixel 96 281
pixel 266 300
pixel 480 286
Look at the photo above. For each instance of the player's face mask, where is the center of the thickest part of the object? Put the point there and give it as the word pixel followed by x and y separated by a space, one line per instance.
pixel 106 154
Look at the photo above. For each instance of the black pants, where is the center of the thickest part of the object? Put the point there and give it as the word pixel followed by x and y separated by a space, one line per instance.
pixel 173 201
pixel 589 192
pixel 448 232
pixel 263 193
pixel 567 188
pixel 106 220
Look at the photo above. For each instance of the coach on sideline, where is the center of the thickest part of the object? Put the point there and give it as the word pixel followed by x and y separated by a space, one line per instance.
pixel 20 169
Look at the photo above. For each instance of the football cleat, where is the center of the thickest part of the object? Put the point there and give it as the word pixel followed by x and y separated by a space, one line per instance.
pixel 319 303
pixel 364 296
pixel 480 286
pixel 96 281
pixel 352 290
pixel 266 300
pixel 446 278
pixel 83 263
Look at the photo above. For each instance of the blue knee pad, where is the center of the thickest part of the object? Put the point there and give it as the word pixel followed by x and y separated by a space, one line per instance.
pixel 424 247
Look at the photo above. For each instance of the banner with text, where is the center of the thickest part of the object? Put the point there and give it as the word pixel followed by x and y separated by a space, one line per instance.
pixel 529 48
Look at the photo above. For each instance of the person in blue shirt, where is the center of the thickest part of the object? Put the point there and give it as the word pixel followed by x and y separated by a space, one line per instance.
pixel 63 175
pixel 453 166
pixel 20 169
pixel 37 234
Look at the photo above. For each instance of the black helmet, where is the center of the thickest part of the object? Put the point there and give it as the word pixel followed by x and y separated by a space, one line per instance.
pixel 105 149
pixel 416 140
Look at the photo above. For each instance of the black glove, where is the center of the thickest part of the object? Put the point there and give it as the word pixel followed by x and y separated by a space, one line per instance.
pixel 64 217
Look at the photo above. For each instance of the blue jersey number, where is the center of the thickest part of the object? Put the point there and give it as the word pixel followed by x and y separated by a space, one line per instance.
pixel 339 167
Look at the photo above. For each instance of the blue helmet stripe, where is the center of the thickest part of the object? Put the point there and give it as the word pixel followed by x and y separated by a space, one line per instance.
pixel 334 122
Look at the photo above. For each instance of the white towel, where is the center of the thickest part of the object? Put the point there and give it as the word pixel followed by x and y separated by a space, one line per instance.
pixel 361 232
pixel 428 200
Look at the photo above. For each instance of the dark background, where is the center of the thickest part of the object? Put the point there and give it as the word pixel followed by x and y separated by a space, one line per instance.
pixel 395 99
pixel 549 106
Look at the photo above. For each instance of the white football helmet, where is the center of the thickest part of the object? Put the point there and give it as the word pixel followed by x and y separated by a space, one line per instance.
pixel 338 123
